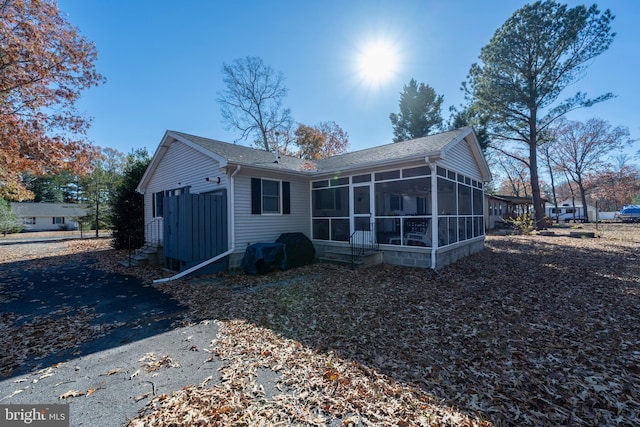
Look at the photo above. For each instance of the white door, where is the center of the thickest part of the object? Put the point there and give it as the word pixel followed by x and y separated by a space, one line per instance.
pixel 362 208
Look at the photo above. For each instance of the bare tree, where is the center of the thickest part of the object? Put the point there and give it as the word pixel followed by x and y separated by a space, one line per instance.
pixel 581 149
pixel 517 182
pixel 616 186
pixel 252 100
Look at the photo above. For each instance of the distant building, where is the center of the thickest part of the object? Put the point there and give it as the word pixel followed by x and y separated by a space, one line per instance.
pixel 500 207
pixel 48 216
pixel 568 211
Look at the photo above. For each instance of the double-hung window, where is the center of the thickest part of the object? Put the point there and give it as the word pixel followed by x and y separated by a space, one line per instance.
pixel 270 197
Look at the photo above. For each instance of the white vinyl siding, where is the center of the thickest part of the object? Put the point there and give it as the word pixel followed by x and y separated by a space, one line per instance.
pixel 180 167
pixel 460 159
pixel 267 228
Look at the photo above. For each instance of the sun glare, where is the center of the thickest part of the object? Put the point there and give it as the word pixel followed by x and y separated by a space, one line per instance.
pixel 377 62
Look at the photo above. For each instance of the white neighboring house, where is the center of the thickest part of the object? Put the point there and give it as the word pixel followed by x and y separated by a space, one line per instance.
pixel 566 210
pixel 48 216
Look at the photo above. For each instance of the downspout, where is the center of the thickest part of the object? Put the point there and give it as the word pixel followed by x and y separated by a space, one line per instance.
pixel 231 209
pixel 434 212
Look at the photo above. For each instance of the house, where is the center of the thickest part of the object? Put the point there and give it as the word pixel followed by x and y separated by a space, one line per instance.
pixel 501 207
pixel 569 209
pixel 420 201
pixel 48 216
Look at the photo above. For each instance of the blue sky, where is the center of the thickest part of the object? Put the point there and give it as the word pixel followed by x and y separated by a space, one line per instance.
pixel 163 59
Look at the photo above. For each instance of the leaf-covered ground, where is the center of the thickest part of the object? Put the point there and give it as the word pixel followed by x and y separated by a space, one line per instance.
pixel 534 330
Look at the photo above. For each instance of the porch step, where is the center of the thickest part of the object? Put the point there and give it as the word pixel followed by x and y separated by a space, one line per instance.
pixel 146 255
pixel 343 257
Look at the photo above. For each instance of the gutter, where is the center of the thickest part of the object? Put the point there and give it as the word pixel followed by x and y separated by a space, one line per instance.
pixel 228 252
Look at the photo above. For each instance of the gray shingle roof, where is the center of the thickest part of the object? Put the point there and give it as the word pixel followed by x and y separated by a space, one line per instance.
pixel 243 155
pixel 390 152
pixel 27 209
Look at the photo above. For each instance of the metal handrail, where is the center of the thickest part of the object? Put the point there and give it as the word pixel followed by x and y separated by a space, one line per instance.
pixel 152 232
pixel 362 241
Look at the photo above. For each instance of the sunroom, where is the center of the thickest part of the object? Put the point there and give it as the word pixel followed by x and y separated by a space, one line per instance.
pixel 395 205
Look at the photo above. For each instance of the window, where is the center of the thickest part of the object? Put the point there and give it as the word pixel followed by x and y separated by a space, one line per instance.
pixel 462 197
pixel 330 210
pixel 335 182
pixel 58 220
pixel 395 202
pixel 411 196
pixel 270 196
pixel 478 202
pixel 361 178
pixel 419 171
pixel 157 204
pixel 29 220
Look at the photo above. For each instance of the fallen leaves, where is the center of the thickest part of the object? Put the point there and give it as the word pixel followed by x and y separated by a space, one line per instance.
pixel 535 330
pixel 34 337
pixel 151 363
pixel 315 389
pixel 71 393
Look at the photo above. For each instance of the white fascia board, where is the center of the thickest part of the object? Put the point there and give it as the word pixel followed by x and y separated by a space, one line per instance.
pixel 165 142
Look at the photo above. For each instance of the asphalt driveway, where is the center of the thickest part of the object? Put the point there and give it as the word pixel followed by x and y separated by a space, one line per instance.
pixel 70 333
pixel 103 310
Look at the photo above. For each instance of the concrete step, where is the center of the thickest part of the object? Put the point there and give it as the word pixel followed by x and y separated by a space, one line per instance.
pixel 129 263
pixel 344 257
pixel 140 259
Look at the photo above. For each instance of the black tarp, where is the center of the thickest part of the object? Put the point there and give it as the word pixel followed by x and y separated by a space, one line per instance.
pixel 260 258
pixel 300 250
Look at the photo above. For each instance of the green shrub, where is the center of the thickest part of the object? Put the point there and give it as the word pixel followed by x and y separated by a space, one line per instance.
pixel 522 224
pixel 9 223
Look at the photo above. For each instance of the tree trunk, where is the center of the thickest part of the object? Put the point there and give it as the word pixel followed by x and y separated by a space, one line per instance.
pixel 583 197
pixel 538 205
pixel 553 185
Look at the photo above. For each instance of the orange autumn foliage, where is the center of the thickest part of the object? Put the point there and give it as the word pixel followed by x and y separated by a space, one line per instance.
pixel 44 66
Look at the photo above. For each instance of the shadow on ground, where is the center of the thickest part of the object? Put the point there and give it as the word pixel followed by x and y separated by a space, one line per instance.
pixel 541 331
pixel 531 331
pixel 50 314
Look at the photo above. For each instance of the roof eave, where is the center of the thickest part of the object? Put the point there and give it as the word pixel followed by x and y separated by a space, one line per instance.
pixel 167 140
pixel 153 164
pixel 377 163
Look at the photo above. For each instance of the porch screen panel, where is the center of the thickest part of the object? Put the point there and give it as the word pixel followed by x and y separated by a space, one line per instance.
pixel 460 207
pixel 403 209
pixel 447 197
pixel 331 202
pixel 330 210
